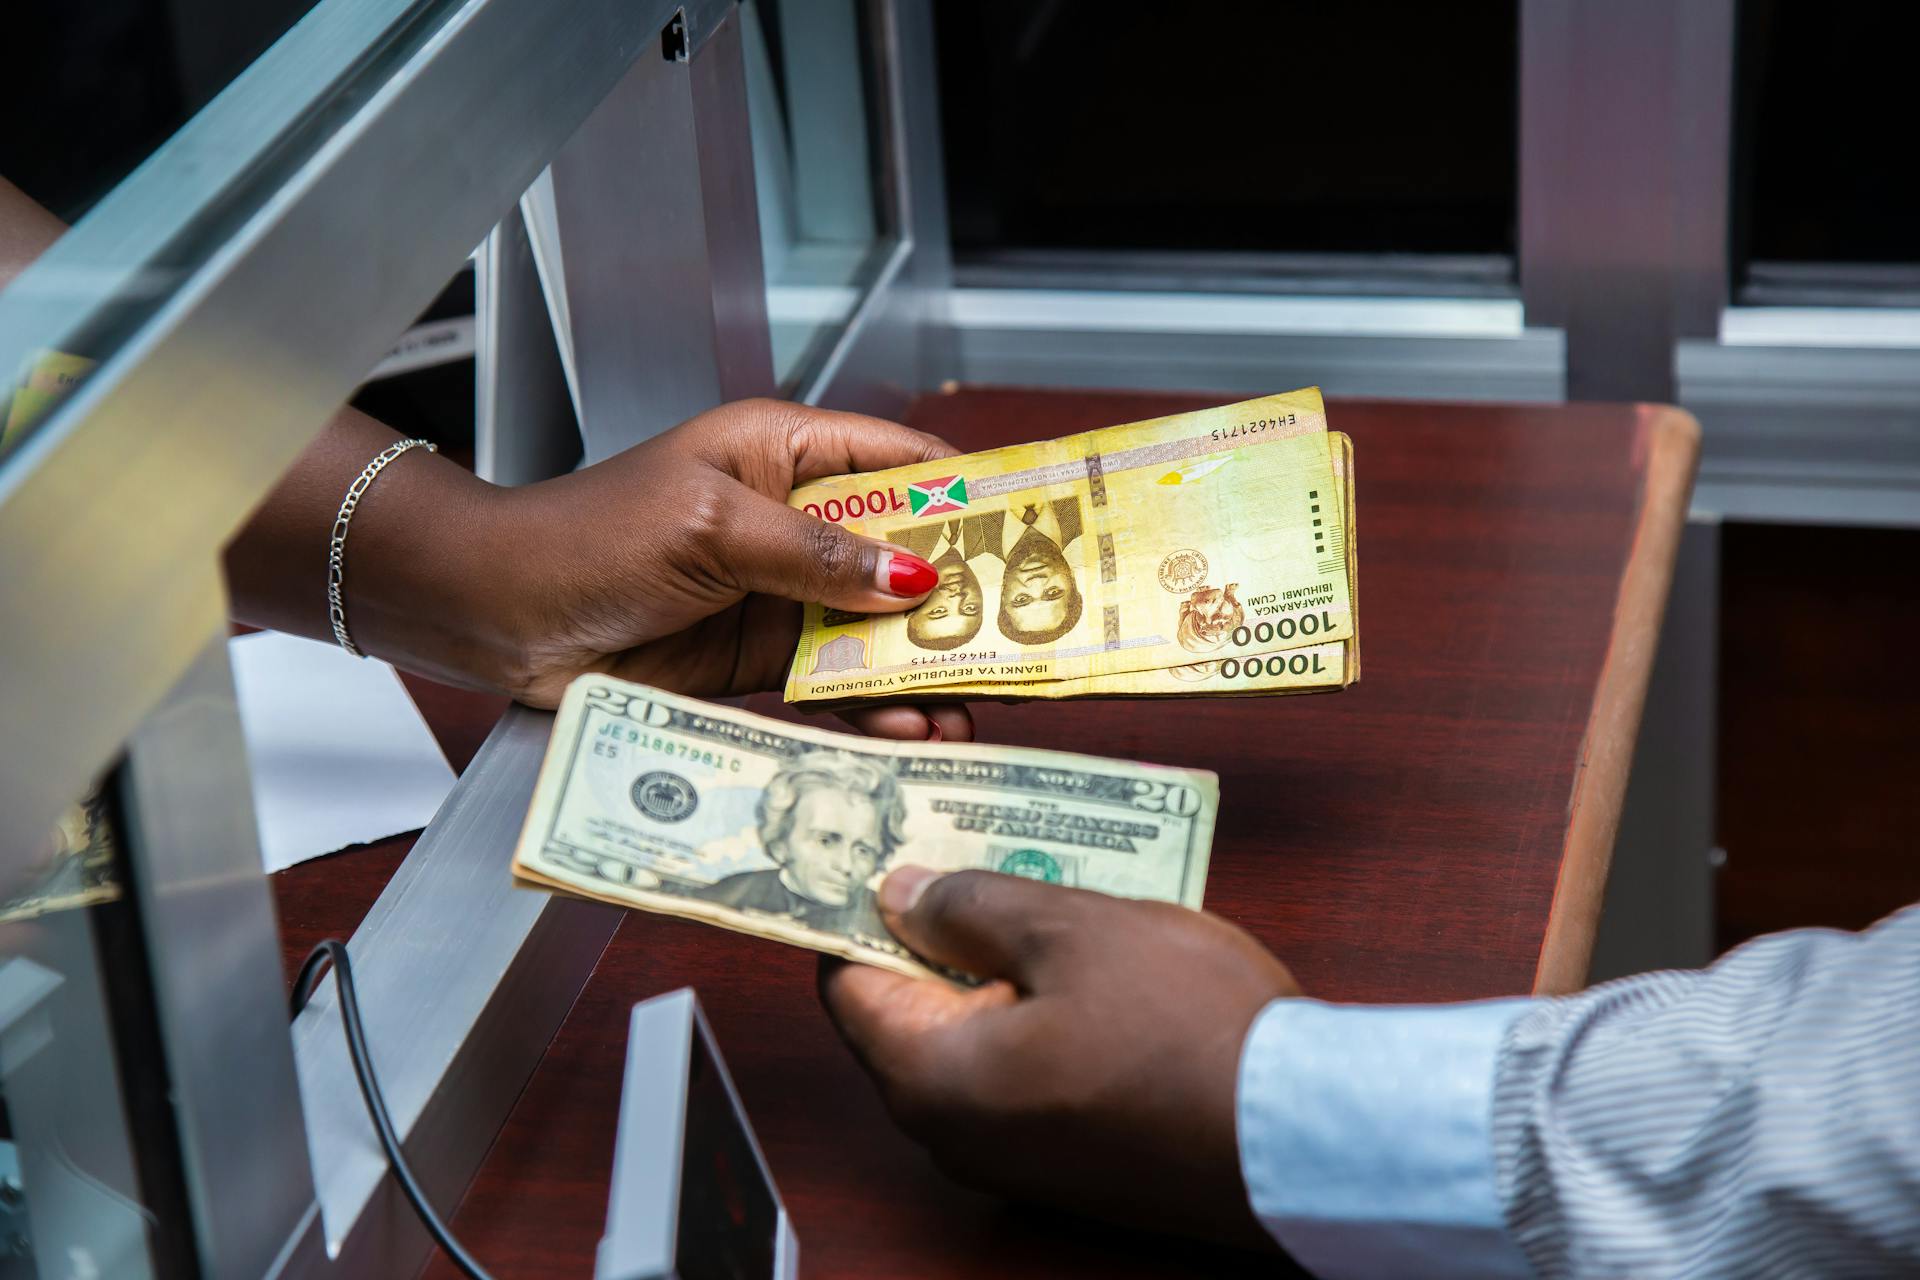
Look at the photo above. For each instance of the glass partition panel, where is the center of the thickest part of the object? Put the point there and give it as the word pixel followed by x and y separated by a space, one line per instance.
pixel 182 339
pixel 156 132
pixel 87 1186
pixel 99 86
pixel 825 225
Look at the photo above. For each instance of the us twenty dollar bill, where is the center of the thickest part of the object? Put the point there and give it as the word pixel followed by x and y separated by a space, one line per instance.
pixel 1198 537
pixel 669 804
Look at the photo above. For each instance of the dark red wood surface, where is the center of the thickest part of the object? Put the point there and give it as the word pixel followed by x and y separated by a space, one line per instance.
pixel 1399 841
pixel 327 897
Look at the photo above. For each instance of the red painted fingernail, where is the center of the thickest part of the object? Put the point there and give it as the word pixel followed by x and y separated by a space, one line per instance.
pixel 909 576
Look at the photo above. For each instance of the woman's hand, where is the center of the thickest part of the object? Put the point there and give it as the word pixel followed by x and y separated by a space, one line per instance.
pixel 677 563
pixel 1098 1068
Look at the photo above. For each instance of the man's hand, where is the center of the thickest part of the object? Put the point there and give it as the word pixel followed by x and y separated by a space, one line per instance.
pixel 1096 1071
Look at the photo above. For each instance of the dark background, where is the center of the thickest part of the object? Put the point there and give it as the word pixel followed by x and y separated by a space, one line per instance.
pixel 1254 127
pixel 1384 126
pixel 1824 116
pixel 91 88
pixel 1819 794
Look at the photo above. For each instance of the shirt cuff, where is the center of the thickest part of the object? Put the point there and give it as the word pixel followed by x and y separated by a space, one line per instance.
pixel 1366 1139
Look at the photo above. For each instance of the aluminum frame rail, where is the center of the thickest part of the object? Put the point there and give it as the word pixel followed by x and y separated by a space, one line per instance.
pixel 111 512
pixel 654 193
pixel 898 341
pixel 244 279
pixel 463 981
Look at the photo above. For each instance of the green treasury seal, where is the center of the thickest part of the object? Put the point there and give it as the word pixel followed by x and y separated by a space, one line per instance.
pixel 1033 864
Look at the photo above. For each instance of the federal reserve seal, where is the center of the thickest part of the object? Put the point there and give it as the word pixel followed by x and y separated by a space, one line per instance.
pixel 1033 864
pixel 665 797
pixel 1182 571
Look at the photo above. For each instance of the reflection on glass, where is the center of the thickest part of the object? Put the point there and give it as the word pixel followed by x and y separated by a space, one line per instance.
pixel 96 87
pixel 42 376
pixel 46 378
pixel 821 226
pixel 76 869
pixel 154 130
pixel 70 1195
pixel 106 84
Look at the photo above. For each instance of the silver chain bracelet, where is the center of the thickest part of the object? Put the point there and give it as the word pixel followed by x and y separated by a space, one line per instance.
pixel 337 548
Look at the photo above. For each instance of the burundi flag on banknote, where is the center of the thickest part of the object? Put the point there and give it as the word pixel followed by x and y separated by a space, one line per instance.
pixel 937 497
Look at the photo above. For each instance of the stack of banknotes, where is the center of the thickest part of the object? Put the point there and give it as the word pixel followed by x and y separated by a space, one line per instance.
pixel 1208 554
pixel 672 805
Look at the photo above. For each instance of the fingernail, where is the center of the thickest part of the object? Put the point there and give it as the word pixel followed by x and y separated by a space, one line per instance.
pixel 933 730
pixel 907 575
pixel 902 889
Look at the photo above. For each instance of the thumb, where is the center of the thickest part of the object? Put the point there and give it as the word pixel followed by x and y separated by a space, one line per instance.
pixel 769 547
pixel 984 923
pixel 889 1020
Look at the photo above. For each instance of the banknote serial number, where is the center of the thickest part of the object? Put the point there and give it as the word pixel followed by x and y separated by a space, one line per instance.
pixel 946 659
pixel 612 737
pixel 1242 429
pixel 857 506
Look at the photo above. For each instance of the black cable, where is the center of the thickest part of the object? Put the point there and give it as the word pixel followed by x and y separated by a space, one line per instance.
pixel 333 949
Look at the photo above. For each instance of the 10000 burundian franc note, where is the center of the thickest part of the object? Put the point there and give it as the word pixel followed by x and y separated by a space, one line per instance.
pixel 1261 653
pixel 1133 548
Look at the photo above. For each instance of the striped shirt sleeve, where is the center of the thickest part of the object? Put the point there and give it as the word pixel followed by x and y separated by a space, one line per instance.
pixel 1364 1138
pixel 1757 1118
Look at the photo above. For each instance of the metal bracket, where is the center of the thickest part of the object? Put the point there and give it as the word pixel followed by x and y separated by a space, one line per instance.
pixel 673 38
pixel 463 980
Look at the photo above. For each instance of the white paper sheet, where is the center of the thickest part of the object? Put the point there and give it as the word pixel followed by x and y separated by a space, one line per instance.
pixel 338 751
